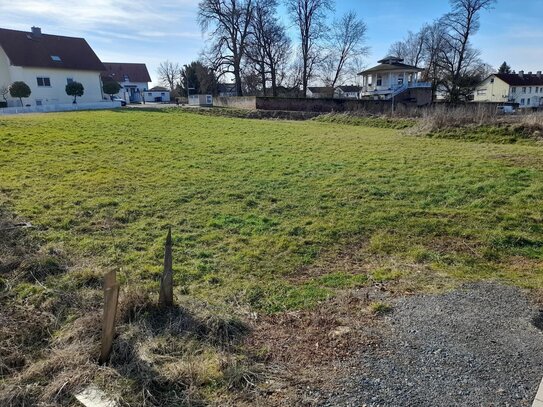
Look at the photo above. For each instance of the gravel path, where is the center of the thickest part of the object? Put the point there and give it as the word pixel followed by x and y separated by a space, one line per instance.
pixel 475 346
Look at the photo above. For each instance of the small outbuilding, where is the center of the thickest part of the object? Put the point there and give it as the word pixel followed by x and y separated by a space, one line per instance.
pixel 201 100
pixel 157 94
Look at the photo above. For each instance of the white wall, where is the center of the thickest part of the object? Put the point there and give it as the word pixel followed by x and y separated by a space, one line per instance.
pixel 60 108
pixel 5 78
pixel 56 93
pixel 150 96
pixel 492 89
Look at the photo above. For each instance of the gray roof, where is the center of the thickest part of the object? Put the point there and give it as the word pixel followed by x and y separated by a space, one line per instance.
pixel 396 66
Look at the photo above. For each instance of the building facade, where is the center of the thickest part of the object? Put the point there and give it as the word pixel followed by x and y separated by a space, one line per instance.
pixel 47 63
pixel 390 78
pixel 133 78
pixel 347 92
pixel 526 89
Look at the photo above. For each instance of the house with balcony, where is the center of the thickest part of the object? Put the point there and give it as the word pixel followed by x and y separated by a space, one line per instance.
pixel 133 78
pixel 392 79
pixel 526 89
pixel 47 63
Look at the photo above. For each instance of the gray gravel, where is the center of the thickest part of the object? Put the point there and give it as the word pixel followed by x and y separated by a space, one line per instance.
pixel 475 346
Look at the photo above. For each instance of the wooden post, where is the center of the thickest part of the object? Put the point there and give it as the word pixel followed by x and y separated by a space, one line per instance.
pixel 111 298
pixel 165 298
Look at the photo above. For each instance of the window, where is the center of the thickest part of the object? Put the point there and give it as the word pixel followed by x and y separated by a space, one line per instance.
pixel 492 80
pixel 56 58
pixel 379 80
pixel 400 80
pixel 522 101
pixel 530 90
pixel 528 102
pixel 481 92
pixel 162 94
pixel 513 89
pixel 149 94
pixel 39 102
pixel 126 78
pixel 44 82
pixel 524 89
pixel 536 89
pixel 69 80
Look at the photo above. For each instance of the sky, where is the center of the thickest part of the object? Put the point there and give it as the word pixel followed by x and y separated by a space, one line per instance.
pixel 152 31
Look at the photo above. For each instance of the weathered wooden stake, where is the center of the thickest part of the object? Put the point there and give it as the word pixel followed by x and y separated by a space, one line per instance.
pixel 165 298
pixel 111 298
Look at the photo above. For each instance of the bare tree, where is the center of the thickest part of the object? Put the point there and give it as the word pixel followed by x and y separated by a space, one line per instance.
pixel 229 25
pixel 412 48
pixel 269 45
pixel 345 46
pixel 309 17
pixel 168 74
pixel 458 56
pixel 4 91
pixel 433 47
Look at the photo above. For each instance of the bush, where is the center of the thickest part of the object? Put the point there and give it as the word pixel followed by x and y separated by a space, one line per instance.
pixel 111 88
pixel 75 89
pixel 19 90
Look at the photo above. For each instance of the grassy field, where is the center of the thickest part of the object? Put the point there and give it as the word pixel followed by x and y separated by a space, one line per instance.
pixel 262 212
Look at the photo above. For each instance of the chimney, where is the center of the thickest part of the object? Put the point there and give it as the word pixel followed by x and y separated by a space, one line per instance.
pixel 36 31
pixel 521 74
pixel 529 73
pixel 539 74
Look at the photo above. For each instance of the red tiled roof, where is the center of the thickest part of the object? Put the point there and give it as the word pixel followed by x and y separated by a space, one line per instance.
pixel 30 50
pixel 514 79
pixel 118 70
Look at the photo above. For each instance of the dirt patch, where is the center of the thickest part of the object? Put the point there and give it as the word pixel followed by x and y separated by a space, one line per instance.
pixel 309 350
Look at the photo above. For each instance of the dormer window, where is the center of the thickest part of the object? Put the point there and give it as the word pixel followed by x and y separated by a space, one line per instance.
pixel 56 58
pixel 126 78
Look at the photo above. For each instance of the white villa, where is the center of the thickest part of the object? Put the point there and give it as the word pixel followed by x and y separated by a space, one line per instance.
pixel 46 63
pixel 524 89
pixel 391 78
pixel 133 78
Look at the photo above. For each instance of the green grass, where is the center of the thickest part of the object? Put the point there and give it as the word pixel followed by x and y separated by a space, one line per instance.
pixel 253 202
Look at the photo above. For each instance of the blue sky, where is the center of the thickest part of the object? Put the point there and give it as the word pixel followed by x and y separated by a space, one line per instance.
pixel 154 31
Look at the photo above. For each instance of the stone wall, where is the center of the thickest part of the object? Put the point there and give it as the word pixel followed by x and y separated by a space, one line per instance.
pixel 239 102
pixel 324 105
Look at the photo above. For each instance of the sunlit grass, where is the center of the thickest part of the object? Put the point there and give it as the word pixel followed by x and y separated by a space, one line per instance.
pixel 253 202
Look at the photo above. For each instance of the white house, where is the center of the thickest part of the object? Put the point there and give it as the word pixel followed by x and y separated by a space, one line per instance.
pixel 347 92
pixel 46 63
pixel 157 94
pixel 320 92
pixel 524 89
pixel 133 78
pixel 391 78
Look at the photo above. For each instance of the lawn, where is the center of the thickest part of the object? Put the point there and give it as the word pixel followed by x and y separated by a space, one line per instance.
pixel 266 216
pixel 253 203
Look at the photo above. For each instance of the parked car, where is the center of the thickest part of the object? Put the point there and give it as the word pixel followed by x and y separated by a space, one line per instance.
pixel 118 99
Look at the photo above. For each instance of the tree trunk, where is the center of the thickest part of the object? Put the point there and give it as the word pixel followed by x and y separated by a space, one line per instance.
pixel 274 82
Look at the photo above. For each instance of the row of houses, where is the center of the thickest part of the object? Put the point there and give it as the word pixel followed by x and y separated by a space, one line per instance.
pixel 47 63
pixel 524 89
